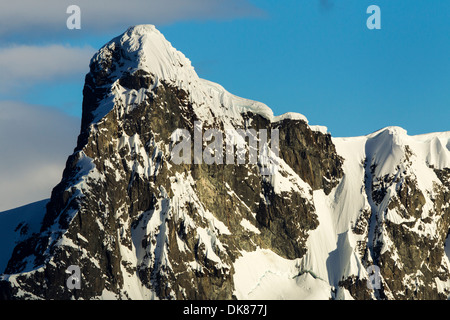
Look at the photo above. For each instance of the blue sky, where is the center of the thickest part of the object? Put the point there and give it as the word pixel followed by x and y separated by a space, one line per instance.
pixel 315 57
pixel 325 63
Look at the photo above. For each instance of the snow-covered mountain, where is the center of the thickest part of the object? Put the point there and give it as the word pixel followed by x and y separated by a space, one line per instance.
pixel 139 226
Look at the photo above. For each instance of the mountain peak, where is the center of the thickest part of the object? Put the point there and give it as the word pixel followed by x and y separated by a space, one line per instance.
pixel 142 58
pixel 141 29
pixel 130 223
pixel 390 130
pixel 143 47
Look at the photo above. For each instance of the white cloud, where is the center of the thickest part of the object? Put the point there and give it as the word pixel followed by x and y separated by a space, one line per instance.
pixel 35 142
pixel 30 21
pixel 48 17
pixel 26 65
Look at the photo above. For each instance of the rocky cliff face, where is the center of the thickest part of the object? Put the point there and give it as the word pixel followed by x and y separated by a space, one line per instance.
pixel 140 226
pixel 406 224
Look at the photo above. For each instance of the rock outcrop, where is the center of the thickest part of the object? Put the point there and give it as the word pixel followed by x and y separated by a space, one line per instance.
pixel 140 226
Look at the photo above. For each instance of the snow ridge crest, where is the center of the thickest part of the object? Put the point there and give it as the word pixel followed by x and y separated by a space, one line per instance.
pixel 143 48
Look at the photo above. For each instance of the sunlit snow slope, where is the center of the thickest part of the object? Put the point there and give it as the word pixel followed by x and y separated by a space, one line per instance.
pixel 140 226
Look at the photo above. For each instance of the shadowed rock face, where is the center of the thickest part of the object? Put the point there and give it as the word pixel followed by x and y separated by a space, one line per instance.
pixel 141 227
pixel 118 213
pixel 405 233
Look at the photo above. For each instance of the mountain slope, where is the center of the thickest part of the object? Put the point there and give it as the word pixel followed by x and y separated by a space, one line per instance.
pixel 304 222
pixel 390 210
pixel 15 224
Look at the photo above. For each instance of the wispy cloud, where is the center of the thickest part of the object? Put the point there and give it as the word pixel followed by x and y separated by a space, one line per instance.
pixel 48 18
pixel 35 142
pixel 26 65
pixel 25 25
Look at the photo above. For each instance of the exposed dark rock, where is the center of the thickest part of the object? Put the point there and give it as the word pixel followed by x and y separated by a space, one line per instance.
pixel 131 218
